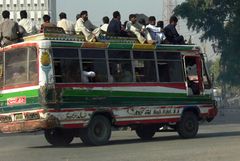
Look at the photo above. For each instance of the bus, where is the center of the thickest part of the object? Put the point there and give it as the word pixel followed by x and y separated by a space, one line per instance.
pixel 69 88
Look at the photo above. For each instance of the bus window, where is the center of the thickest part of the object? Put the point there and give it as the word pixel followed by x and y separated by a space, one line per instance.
pixel 33 68
pixel 16 66
pixel 120 66
pixel 145 68
pixel 193 74
pixel 94 61
pixel 66 65
pixel 170 67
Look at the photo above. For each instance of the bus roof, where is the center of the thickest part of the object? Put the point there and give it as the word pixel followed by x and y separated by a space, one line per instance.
pixel 105 42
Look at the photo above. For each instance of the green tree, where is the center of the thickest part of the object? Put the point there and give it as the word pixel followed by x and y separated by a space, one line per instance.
pixel 219 20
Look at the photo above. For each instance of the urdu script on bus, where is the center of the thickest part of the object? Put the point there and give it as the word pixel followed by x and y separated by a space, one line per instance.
pixel 17 100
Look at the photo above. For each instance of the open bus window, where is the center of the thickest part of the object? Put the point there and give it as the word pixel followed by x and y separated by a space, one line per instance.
pixel 170 67
pixel 66 65
pixel 33 68
pixel 145 68
pixel 120 66
pixel 192 75
pixel 16 66
pixel 121 71
pixel 94 61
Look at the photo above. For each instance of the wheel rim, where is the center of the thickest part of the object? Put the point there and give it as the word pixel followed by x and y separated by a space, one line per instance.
pixel 99 130
pixel 189 125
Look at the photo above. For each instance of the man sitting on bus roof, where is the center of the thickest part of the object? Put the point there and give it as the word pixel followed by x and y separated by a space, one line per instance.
pixel 83 25
pixel 171 33
pixel 138 30
pixel 65 23
pixel 156 32
pixel 8 29
pixel 47 23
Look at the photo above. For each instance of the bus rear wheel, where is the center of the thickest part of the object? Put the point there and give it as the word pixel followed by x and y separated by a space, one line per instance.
pixel 98 131
pixel 188 125
pixel 58 137
pixel 145 132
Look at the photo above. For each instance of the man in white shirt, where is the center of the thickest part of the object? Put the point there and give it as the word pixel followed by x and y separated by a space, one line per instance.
pixel 26 23
pixel 156 32
pixel 83 25
pixel 65 24
pixel 138 30
pixel 104 27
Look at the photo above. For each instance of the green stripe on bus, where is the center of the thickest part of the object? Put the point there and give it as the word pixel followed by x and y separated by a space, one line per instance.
pixel 174 48
pixel 29 93
pixel 120 46
pixel 66 44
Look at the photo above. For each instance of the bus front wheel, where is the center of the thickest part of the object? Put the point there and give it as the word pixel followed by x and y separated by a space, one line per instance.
pixel 98 131
pixel 188 125
pixel 58 137
pixel 145 132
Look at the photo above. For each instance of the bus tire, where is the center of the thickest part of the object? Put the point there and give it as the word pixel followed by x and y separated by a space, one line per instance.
pixel 58 137
pixel 145 132
pixel 188 125
pixel 98 131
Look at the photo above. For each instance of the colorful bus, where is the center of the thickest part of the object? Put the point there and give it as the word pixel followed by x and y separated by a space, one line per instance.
pixel 70 88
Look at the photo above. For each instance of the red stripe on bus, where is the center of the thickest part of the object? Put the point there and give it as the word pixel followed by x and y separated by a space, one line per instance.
pixel 168 85
pixel 70 126
pixel 73 110
pixel 122 123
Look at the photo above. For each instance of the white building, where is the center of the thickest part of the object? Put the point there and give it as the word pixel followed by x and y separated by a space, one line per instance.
pixel 35 9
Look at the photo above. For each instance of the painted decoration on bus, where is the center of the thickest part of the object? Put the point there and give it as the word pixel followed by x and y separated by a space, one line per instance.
pixel 16 101
pixel 46 67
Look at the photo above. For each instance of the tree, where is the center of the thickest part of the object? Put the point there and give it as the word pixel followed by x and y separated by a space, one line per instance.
pixel 219 20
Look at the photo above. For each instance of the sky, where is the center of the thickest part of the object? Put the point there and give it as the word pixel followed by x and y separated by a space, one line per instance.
pixel 100 8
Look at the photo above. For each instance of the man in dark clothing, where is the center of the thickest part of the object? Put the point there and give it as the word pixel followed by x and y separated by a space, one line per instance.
pixel 171 33
pixel 115 26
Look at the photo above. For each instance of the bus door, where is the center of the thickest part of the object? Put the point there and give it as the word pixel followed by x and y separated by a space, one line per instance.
pixel 193 71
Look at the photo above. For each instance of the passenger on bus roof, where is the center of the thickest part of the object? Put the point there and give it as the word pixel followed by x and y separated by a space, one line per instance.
pixel 105 24
pixel 46 23
pixel 171 33
pixel 138 30
pixel 26 23
pixel 65 24
pixel 9 30
pixel 83 25
pixel 115 27
pixel 156 32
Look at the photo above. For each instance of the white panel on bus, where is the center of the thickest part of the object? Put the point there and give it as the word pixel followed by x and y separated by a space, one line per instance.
pixel 21 1
pixel 15 2
pixel 42 1
pixel 1 2
pixel 46 13
pixel 32 13
pixel 8 2
pixel 39 14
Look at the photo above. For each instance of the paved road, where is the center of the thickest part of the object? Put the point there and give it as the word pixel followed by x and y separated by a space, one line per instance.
pixel 218 141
